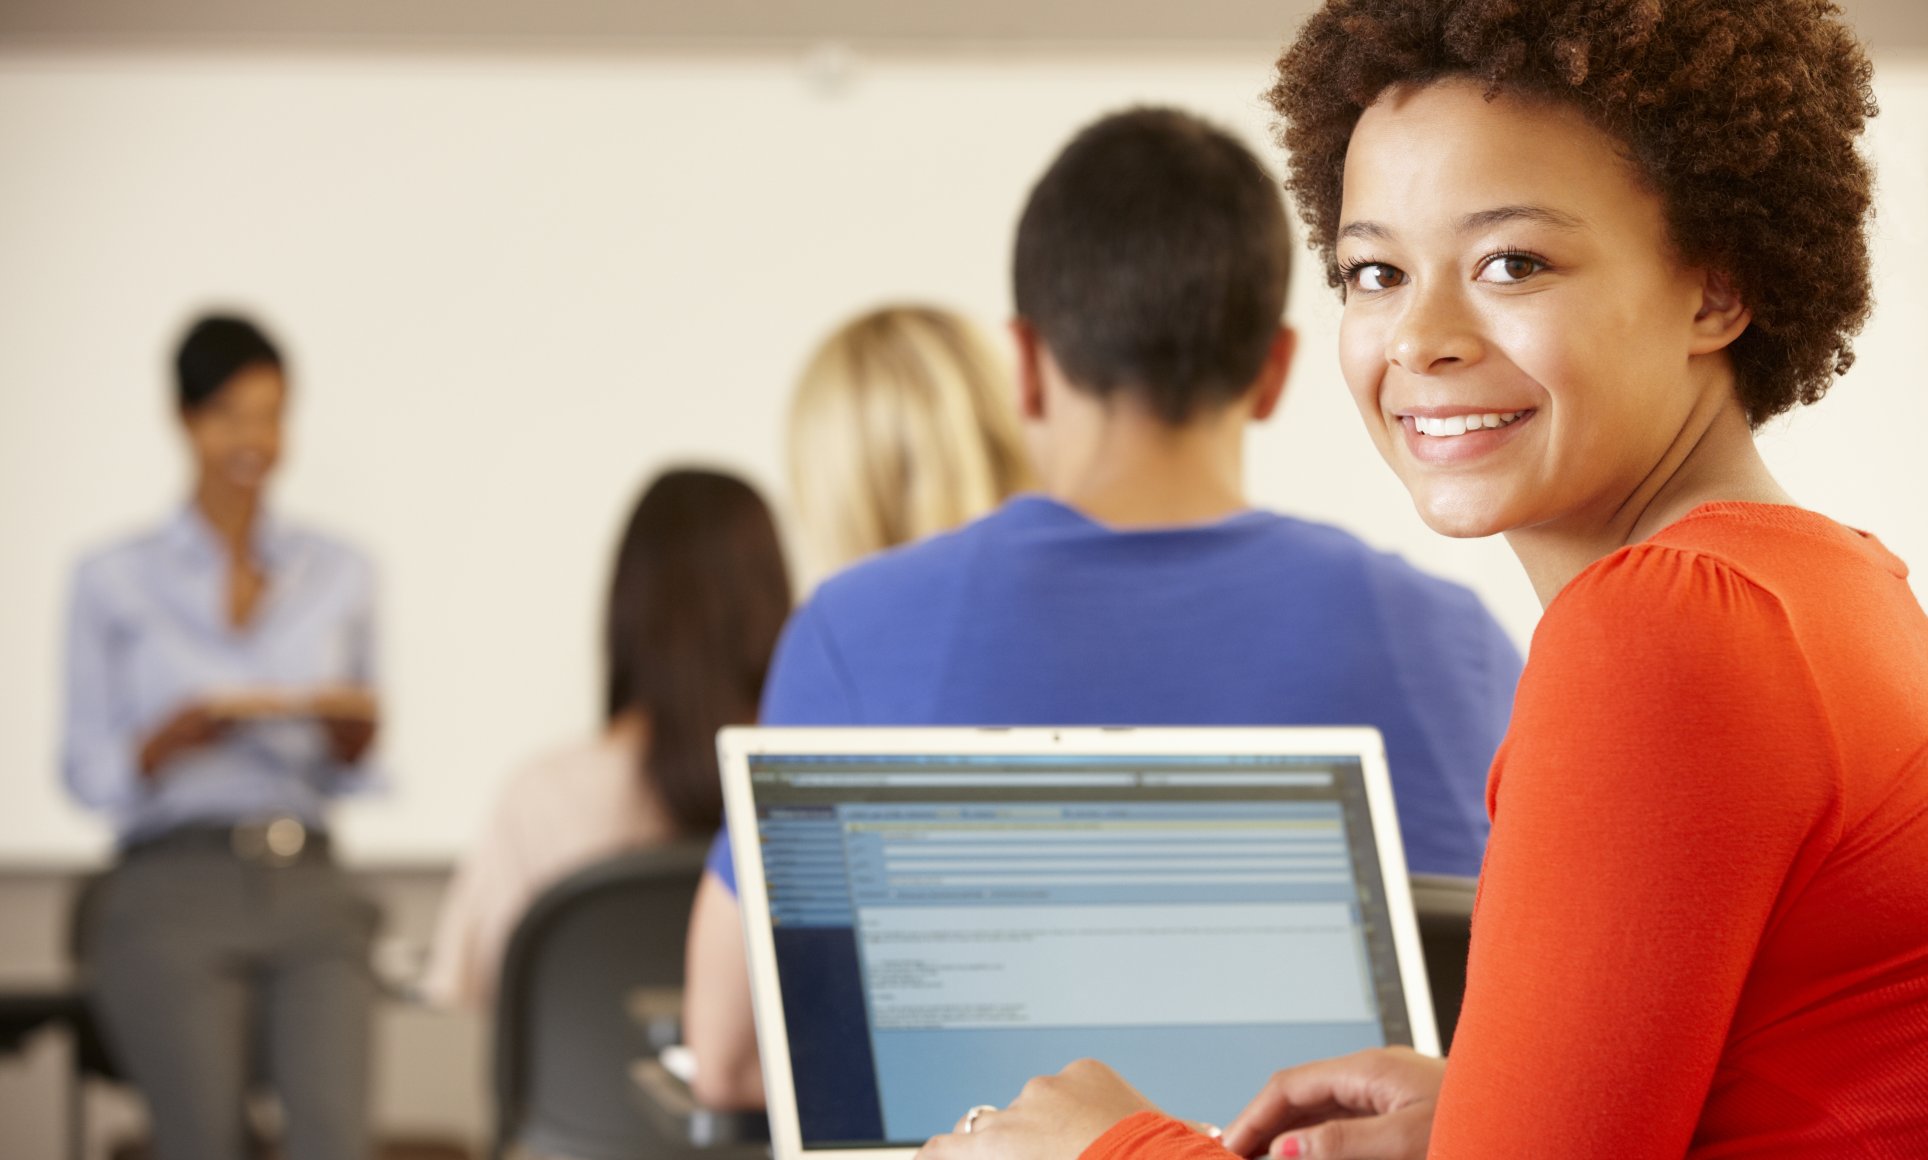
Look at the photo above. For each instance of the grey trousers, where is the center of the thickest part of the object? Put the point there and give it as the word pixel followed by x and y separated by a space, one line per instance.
pixel 211 974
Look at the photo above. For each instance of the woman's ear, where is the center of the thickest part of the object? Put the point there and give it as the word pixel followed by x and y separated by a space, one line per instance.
pixel 1722 316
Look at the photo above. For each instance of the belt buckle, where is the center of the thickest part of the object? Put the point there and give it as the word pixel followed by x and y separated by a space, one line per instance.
pixel 277 841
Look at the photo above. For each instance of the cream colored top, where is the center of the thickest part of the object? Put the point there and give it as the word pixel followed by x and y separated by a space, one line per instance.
pixel 562 811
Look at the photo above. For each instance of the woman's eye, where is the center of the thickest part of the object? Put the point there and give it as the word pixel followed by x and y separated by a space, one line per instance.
pixel 1371 276
pixel 1505 268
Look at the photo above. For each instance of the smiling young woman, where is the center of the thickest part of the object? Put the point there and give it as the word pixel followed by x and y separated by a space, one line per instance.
pixel 1586 247
pixel 1528 351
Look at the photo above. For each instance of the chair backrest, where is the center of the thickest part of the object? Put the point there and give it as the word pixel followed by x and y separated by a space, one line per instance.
pixel 1445 906
pixel 564 1041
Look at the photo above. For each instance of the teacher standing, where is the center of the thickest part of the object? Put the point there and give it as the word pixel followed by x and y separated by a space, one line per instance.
pixel 219 692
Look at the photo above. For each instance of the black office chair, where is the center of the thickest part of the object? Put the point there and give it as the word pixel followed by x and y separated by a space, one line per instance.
pixel 1445 906
pixel 567 1035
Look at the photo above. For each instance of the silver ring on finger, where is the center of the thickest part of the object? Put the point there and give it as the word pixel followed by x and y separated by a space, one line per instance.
pixel 970 1117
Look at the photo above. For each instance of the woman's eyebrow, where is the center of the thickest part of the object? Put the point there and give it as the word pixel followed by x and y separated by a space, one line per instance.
pixel 1488 218
pixel 1475 222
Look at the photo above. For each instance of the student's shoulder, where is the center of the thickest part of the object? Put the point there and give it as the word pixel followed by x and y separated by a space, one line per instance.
pixel 1387 574
pixel 585 757
pixel 1670 574
pixel 1697 648
pixel 1768 559
pixel 591 772
pixel 907 579
pixel 1670 607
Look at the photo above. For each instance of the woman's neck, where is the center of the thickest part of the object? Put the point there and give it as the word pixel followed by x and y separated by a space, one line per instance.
pixel 629 727
pixel 231 513
pixel 1713 460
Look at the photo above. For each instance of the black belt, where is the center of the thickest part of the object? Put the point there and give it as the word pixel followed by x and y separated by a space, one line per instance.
pixel 276 841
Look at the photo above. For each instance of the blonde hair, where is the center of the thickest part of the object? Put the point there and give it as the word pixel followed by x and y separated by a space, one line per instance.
pixel 902 426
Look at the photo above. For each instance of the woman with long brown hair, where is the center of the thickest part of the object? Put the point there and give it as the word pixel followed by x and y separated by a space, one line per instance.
pixel 699 593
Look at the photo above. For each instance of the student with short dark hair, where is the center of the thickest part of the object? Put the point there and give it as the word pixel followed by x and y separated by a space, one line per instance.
pixel 1152 261
pixel 1140 587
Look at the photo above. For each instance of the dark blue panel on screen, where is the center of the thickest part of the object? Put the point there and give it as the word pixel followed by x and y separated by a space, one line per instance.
pixel 823 1004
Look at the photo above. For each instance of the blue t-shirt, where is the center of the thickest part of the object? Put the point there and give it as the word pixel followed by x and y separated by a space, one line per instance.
pixel 1038 615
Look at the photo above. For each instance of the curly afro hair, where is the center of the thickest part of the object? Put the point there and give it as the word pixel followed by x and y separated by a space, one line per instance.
pixel 1742 116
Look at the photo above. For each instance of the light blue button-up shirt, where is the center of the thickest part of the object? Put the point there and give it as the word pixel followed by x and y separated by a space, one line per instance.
pixel 148 633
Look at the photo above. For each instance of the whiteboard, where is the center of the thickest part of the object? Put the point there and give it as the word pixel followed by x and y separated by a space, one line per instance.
pixel 512 287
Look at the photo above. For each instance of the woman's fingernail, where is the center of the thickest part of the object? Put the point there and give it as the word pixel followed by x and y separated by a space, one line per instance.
pixel 1288 1147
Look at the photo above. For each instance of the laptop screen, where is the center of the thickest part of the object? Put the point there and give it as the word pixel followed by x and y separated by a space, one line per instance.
pixel 947 927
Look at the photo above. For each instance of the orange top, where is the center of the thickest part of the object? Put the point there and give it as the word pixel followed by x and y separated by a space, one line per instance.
pixel 1702 927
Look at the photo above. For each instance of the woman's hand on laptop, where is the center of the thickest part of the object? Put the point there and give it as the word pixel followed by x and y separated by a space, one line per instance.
pixel 1055 1117
pixel 1376 1103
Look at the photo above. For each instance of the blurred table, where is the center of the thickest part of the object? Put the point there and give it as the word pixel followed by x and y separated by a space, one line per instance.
pixel 665 1096
pixel 658 1011
pixel 28 1006
pixel 667 1101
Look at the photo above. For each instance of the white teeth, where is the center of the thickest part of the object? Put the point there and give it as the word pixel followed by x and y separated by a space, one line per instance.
pixel 1461 424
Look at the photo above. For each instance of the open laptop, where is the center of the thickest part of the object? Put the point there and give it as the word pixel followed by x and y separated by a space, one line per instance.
pixel 933 916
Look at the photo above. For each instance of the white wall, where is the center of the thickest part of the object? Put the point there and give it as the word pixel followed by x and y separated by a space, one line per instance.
pixel 514 287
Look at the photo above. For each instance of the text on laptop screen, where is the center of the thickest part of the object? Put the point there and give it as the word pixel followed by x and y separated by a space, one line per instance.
pixel 948 927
